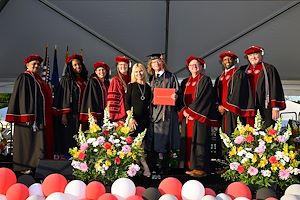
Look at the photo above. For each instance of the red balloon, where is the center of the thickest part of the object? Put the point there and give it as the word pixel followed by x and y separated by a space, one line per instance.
pixel 172 186
pixel 107 196
pixel 139 190
pixel 7 179
pixel 54 183
pixel 238 189
pixel 209 191
pixel 134 197
pixel 17 191
pixel 94 190
pixel 271 198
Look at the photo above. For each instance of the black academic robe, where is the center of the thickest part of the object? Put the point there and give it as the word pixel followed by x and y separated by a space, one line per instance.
pixel 239 101
pixel 276 95
pixel 67 100
pixel 30 110
pixel 163 133
pixel 94 100
pixel 202 109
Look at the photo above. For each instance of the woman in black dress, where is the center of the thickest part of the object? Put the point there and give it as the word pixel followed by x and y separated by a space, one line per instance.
pixel 138 99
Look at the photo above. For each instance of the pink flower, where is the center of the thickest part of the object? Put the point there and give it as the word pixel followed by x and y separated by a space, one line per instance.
pixel 249 138
pixel 84 147
pixel 239 140
pixel 272 132
pixel 234 165
pixel 126 149
pixel 284 174
pixel 260 149
pixel 133 168
pixel 101 140
pixel 83 167
pixel 281 139
pixel 252 171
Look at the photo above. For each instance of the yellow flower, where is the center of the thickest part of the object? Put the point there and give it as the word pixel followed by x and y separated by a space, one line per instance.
pixel 125 130
pixel 292 155
pixel 285 149
pixel 97 166
pixel 129 154
pixel 76 154
pixel 268 139
pixel 109 152
pixel 94 128
pixel 254 158
pixel 294 163
pixel 108 163
pixel 133 156
pixel 281 166
pixel 274 167
pixel 232 152
pixel 121 155
pixel 263 162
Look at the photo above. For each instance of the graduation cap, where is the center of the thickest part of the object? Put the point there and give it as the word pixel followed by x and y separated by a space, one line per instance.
pixel 74 56
pixel 33 57
pixel 254 49
pixel 122 59
pixel 200 60
pixel 156 56
pixel 230 54
pixel 101 64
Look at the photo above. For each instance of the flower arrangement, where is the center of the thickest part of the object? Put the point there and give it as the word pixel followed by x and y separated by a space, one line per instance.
pixel 108 153
pixel 262 157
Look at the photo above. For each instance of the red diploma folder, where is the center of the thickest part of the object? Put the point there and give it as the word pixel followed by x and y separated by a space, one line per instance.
pixel 164 96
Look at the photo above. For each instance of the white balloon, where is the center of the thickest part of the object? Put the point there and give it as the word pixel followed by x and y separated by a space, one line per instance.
pixel 168 197
pixel 241 198
pixel 76 188
pixel 35 197
pixel 56 196
pixel 3 197
pixel 36 189
pixel 123 188
pixel 223 196
pixel 290 197
pixel 192 189
pixel 208 197
pixel 293 189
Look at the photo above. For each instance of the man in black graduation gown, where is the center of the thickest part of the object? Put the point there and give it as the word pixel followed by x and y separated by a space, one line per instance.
pixel 233 94
pixel 266 86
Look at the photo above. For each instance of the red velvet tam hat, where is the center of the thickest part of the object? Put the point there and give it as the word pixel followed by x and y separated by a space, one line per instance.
pixel 74 56
pixel 122 59
pixel 101 64
pixel 200 60
pixel 254 49
pixel 228 53
pixel 33 57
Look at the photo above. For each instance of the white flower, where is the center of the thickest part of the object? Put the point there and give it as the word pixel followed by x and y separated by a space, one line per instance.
pixel 95 150
pixel 244 160
pixel 262 133
pixel 296 171
pixel 234 165
pixel 116 141
pixel 91 140
pixel 282 161
pixel 286 158
pixel 266 173
pixel 255 133
pixel 95 143
pixel 249 155
pixel 241 153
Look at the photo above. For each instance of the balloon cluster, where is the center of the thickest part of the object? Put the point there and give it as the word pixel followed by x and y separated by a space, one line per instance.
pixel 56 187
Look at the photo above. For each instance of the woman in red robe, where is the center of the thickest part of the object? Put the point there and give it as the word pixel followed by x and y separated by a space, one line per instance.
pixel 117 90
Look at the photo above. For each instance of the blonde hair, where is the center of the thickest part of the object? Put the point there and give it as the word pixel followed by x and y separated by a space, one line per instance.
pixel 141 66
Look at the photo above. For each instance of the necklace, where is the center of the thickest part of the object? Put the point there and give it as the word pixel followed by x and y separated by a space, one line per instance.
pixel 142 92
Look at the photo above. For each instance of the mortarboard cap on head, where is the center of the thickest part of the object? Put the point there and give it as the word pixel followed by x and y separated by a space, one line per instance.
pixel 230 54
pixel 33 57
pixel 122 59
pixel 254 49
pixel 101 64
pixel 156 56
pixel 74 56
pixel 200 60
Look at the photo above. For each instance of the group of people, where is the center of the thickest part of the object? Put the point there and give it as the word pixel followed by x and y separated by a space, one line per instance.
pixel 198 106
